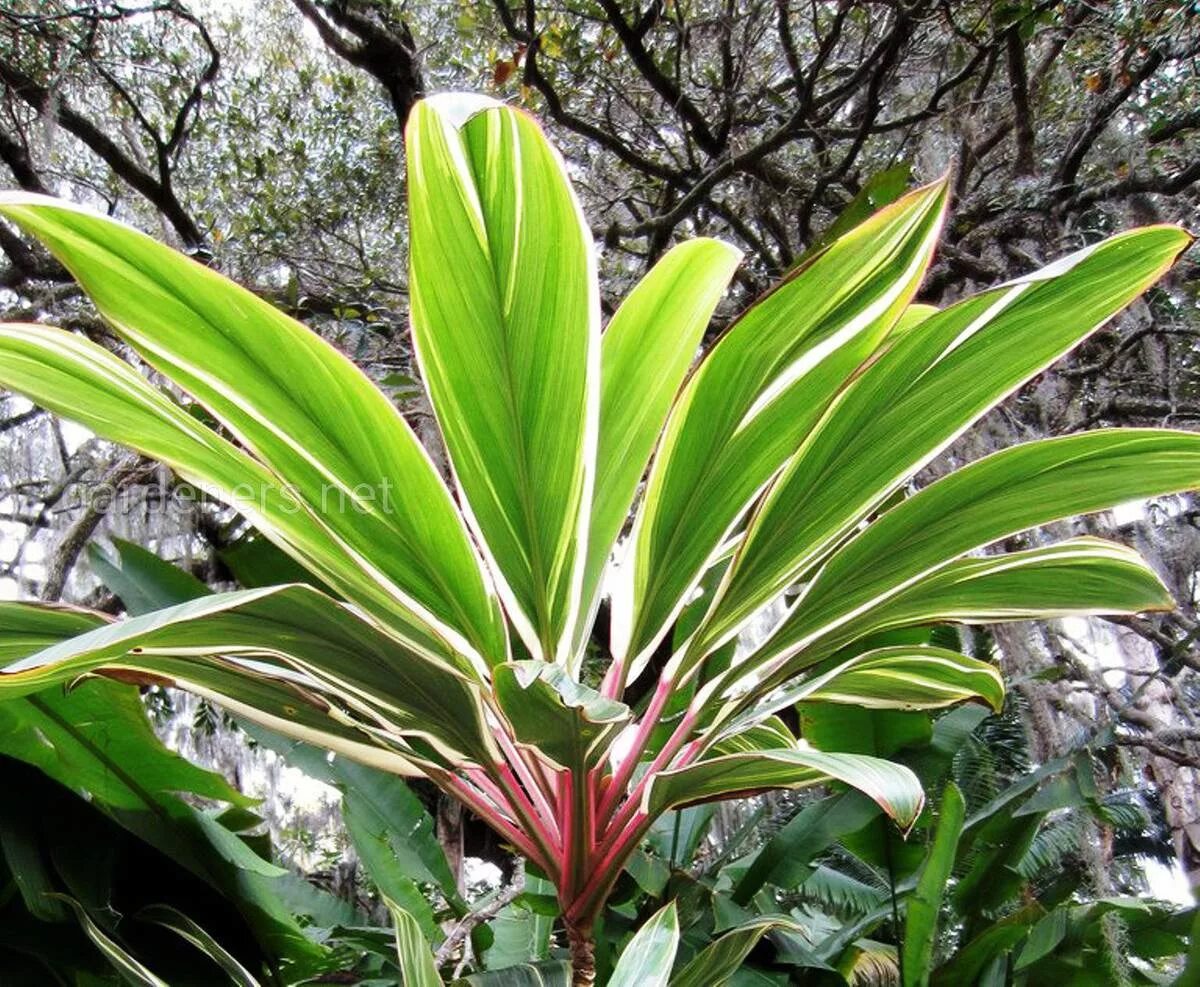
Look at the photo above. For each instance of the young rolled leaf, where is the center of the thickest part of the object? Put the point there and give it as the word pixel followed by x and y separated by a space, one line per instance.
pixel 924 906
pixel 301 407
pixel 506 322
pixel 412 950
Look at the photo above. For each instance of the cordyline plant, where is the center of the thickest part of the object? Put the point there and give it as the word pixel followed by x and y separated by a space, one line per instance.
pixel 450 634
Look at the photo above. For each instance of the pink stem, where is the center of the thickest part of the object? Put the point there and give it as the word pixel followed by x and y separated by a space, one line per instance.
pixel 658 702
pixel 619 843
pixel 532 785
pixel 614 680
pixel 493 815
pixel 673 744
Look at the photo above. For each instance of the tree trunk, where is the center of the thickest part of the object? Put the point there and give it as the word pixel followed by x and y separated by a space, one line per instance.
pixel 583 955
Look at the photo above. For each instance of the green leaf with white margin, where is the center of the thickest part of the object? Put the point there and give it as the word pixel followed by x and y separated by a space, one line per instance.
pixel 720 960
pixel 644 355
pixel 647 960
pixel 417 968
pixel 755 397
pixel 300 407
pixel 131 970
pixel 181 925
pixel 925 903
pixel 995 497
pixel 291 635
pixel 894 787
pixel 566 721
pixel 83 382
pixel 908 677
pixel 922 393
pixel 899 677
pixel 26 628
pixel 1078 577
pixel 506 326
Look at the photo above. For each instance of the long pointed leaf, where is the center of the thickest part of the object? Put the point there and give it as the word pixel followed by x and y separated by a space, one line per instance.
pixel 83 382
pixel 748 406
pixel 998 496
pixel 293 635
pixel 644 355
pixel 894 787
pixel 937 379
pixel 505 316
pixel 299 405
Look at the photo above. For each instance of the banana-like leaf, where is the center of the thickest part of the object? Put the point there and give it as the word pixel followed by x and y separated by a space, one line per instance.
pixel 644 354
pixel 786 858
pixel 506 324
pixel 292 636
pixel 720 960
pixel 1074 578
pixel 417 968
pixel 566 721
pixel 919 396
pixel 993 498
pixel 186 928
pixel 83 382
pixel 301 407
pixel 924 905
pixel 647 960
pixel 892 786
pixel 752 400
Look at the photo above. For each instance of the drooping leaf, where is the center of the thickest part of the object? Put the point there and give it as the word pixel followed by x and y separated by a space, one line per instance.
pixel 568 722
pixel 338 668
pixel 894 787
pixel 131 970
pixel 177 922
pixel 505 317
